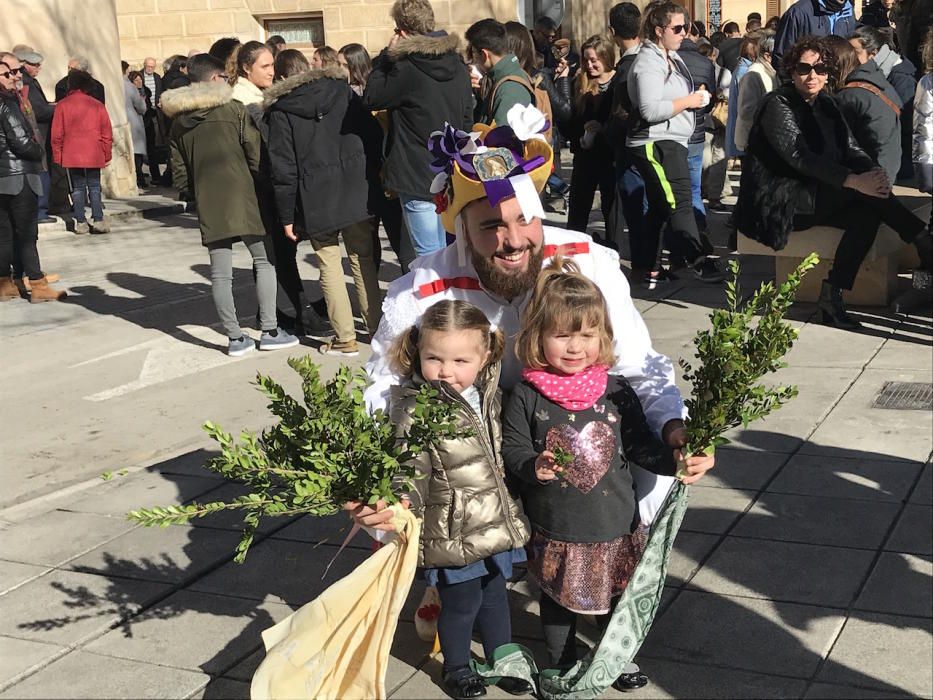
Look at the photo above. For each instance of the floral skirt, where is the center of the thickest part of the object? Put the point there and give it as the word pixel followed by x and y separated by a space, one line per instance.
pixel 584 577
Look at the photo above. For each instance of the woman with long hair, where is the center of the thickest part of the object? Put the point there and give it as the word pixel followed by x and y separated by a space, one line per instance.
pixel 591 105
pixel 661 91
pixel 324 57
pixel 355 59
pixel 255 71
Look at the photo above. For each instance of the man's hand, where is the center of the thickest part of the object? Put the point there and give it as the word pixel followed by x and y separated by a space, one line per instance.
pixel 546 468
pixel 873 183
pixel 290 232
pixel 563 69
pixel 674 435
pixel 377 517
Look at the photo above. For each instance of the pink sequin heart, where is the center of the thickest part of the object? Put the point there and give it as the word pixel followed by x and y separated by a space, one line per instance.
pixel 592 448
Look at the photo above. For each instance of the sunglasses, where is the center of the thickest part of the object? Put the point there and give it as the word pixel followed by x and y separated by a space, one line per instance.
pixel 803 69
pixel 677 28
pixel 5 75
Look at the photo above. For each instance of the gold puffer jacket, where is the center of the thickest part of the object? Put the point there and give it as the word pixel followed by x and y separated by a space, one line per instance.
pixel 467 510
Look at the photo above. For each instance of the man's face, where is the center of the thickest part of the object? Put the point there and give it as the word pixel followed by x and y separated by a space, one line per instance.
pixel 72 65
pixel 479 58
pixel 149 66
pixel 32 68
pixel 16 69
pixel 506 250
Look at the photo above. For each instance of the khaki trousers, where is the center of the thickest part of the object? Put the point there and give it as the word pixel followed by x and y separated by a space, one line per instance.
pixel 358 240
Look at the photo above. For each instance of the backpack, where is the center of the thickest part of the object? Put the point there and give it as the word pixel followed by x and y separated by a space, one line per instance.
pixel 539 97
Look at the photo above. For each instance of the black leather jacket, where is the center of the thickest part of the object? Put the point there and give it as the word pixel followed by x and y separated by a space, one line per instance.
pixel 20 153
pixel 794 151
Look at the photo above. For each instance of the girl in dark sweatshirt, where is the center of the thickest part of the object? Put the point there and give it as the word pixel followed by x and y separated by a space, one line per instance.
pixel 569 432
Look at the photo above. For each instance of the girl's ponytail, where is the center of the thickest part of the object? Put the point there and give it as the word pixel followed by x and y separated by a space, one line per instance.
pixel 403 355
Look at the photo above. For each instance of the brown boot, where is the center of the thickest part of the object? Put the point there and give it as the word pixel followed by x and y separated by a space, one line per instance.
pixel 41 291
pixel 51 279
pixel 8 289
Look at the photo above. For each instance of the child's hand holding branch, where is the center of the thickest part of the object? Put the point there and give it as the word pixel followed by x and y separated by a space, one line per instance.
pixel 546 467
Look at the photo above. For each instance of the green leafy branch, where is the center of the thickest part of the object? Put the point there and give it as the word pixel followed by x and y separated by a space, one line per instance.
pixel 745 342
pixel 324 451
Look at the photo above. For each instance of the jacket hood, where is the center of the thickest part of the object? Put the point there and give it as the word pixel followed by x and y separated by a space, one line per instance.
pixel 435 56
pixel 196 97
pixel 310 94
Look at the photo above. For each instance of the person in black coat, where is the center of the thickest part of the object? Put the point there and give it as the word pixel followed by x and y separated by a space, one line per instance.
pixel 325 157
pixel 423 83
pixel 731 46
pixel 43 110
pixel 871 108
pixel 704 76
pixel 803 168
pixel 96 89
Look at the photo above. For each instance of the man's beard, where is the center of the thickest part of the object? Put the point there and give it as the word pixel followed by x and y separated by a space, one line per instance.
pixel 508 285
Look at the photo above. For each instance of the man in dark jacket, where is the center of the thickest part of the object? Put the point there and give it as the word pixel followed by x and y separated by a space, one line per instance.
pixel 811 18
pixel 80 63
pixel 43 111
pixel 730 47
pixel 704 77
pixel 422 82
pixel 215 150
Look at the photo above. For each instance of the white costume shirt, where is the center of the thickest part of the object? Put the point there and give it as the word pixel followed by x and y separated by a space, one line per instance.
pixel 441 276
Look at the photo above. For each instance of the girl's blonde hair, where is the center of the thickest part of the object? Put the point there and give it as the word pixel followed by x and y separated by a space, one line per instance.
pixel 927 51
pixel 605 50
pixel 445 316
pixel 563 299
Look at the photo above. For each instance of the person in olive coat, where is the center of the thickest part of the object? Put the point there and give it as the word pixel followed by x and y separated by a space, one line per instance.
pixel 215 147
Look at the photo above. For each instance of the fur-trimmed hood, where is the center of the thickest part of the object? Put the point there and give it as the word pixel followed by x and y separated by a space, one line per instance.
pixel 424 45
pixel 195 97
pixel 283 88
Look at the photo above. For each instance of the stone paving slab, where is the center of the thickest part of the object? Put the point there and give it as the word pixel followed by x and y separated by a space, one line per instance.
pixel 20 655
pixel 14 573
pixel 859 479
pixel 223 689
pixel 232 519
pixel 690 548
pixel 693 628
pixel 886 652
pixel 143 490
pixel 904 350
pixel 923 493
pixel 742 469
pixel 810 348
pixel 887 434
pixel 912 533
pixel 58 536
pixel 66 607
pixel 814 520
pixel 331 530
pixel 796 573
pixel 673 680
pixel 286 572
pixel 228 630
pixel 827 691
pixel 899 584
pixel 175 554
pixel 715 510
pixel 84 675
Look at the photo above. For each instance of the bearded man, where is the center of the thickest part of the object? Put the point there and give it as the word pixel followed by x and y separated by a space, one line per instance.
pixel 502 244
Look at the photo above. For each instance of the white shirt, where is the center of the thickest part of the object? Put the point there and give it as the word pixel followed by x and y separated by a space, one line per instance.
pixel 650 373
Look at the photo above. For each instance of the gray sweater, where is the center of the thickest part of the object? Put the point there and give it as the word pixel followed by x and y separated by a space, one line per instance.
pixel 652 87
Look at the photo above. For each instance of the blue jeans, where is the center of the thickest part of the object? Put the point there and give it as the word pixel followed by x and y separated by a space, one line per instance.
pixel 424 225
pixel 695 164
pixel 632 199
pixel 86 179
pixel 44 197
pixel 557 185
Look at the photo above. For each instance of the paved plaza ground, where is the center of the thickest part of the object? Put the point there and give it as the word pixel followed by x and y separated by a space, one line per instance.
pixel 804 568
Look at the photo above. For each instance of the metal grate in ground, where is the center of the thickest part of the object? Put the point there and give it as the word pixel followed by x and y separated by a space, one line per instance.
pixel 905 396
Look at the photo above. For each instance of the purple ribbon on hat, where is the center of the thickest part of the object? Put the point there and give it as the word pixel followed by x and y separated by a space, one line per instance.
pixel 446 147
pixel 497 190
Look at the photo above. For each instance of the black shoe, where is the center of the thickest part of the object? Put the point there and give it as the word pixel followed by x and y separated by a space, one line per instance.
pixel 313 324
pixel 708 270
pixel 463 684
pixel 630 681
pixel 833 309
pixel 662 276
pixel 515 686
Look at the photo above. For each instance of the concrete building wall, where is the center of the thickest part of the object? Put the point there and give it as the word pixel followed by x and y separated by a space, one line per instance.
pixel 61 28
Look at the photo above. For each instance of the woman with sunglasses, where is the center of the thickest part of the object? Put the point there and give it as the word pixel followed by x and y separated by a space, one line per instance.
pixel 803 168
pixel 20 162
pixel 661 90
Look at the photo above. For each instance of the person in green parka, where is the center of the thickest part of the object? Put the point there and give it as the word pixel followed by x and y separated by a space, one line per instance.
pixel 507 84
pixel 215 146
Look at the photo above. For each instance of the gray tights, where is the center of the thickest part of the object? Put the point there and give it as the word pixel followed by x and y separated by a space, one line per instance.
pixel 221 253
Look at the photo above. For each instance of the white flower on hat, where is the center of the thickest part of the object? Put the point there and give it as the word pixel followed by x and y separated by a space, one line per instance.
pixel 528 122
pixel 439 183
pixel 473 146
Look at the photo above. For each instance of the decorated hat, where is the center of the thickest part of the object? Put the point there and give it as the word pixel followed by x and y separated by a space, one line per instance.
pixel 512 160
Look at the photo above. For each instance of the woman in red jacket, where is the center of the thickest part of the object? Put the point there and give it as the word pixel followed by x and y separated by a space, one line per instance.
pixel 81 142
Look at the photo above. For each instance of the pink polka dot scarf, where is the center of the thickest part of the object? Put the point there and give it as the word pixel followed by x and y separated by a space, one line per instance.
pixel 574 392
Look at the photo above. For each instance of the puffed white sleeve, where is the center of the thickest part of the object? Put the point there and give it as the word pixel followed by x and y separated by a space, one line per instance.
pixel 650 373
pixel 399 313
